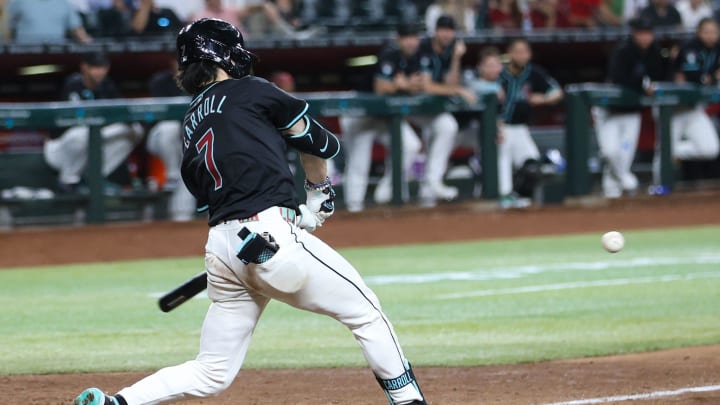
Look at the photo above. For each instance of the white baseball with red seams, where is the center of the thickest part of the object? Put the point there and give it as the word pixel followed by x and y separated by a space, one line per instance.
pixel 613 241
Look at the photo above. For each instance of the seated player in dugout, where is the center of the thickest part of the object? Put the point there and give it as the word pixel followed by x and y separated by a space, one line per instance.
pixel 67 151
pixel 440 61
pixel 397 72
pixel 694 136
pixel 526 86
pixel 636 64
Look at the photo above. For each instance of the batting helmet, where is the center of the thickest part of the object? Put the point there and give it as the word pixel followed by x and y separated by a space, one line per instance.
pixel 216 41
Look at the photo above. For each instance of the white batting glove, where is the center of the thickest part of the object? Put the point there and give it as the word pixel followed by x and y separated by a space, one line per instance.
pixel 320 199
pixel 309 220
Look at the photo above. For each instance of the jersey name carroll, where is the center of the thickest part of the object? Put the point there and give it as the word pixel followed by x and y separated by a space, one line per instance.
pixel 235 155
pixel 206 107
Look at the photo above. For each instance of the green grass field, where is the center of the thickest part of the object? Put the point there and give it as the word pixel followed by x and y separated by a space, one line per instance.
pixel 468 303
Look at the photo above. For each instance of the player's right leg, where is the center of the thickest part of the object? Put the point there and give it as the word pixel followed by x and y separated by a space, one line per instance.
pixel 631 135
pixel 702 138
pixel 411 146
pixel 358 135
pixel 68 154
pixel 443 134
pixel 164 141
pixel 119 140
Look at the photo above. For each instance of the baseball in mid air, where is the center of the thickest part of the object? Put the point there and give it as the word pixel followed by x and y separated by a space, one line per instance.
pixel 613 241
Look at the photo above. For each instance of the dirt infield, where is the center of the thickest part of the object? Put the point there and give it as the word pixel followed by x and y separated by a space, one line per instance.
pixel 525 384
pixel 540 383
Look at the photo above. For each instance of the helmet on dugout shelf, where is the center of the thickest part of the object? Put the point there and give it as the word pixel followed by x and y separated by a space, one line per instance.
pixel 214 40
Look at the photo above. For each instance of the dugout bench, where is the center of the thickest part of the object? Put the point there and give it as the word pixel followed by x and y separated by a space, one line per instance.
pixel 99 113
pixel 581 97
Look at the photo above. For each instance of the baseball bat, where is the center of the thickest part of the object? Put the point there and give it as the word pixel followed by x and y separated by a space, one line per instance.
pixel 197 284
pixel 187 290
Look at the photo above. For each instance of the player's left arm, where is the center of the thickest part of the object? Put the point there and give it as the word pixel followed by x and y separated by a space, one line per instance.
pixel 315 144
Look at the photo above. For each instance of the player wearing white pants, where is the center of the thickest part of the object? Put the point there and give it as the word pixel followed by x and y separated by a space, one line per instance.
pixel 240 292
pixel 617 136
pixel 359 135
pixel 440 61
pixel 516 148
pixel 526 86
pixel 68 153
pixel 165 141
pixel 694 137
pixel 635 65
pixel 440 133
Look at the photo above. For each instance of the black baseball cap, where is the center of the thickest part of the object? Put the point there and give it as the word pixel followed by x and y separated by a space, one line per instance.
pixel 445 21
pixel 96 58
pixel 407 30
pixel 641 24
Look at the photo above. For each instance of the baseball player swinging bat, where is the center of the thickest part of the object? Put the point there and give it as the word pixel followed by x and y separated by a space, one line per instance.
pixel 236 134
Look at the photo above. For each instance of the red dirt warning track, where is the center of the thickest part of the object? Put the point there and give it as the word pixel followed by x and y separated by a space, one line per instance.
pixel 524 384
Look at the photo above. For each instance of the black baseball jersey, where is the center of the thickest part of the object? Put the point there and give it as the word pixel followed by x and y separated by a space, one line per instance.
pixel 698 63
pixel 392 61
pixel 518 89
pixel 235 157
pixel 74 89
pixel 630 67
pixel 435 64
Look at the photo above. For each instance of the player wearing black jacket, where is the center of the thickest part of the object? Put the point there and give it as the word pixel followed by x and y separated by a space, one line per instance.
pixel 694 136
pixel 397 72
pixel 636 65
pixel 67 151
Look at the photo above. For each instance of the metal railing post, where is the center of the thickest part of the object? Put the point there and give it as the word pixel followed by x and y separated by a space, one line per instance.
pixel 577 143
pixel 487 140
pixel 96 208
pixel 667 169
pixel 396 150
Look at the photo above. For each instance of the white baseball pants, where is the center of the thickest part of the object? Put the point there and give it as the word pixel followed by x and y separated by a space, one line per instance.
pixel 165 141
pixel 68 154
pixel 617 136
pixel 517 147
pixel 441 131
pixel 694 137
pixel 359 134
pixel 324 283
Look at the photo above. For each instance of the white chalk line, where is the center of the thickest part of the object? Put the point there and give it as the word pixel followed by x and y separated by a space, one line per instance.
pixel 513 272
pixel 578 284
pixel 648 395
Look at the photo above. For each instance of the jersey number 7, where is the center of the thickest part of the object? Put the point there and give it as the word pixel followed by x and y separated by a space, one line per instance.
pixel 206 145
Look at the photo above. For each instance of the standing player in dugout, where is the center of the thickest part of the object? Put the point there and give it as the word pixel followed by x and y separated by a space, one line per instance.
pixel 236 133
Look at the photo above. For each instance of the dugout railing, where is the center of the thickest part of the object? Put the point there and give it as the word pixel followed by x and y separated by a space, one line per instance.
pixel 581 98
pixel 96 114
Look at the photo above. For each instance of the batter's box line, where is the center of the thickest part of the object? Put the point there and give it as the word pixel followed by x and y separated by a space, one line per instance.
pixel 644 396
